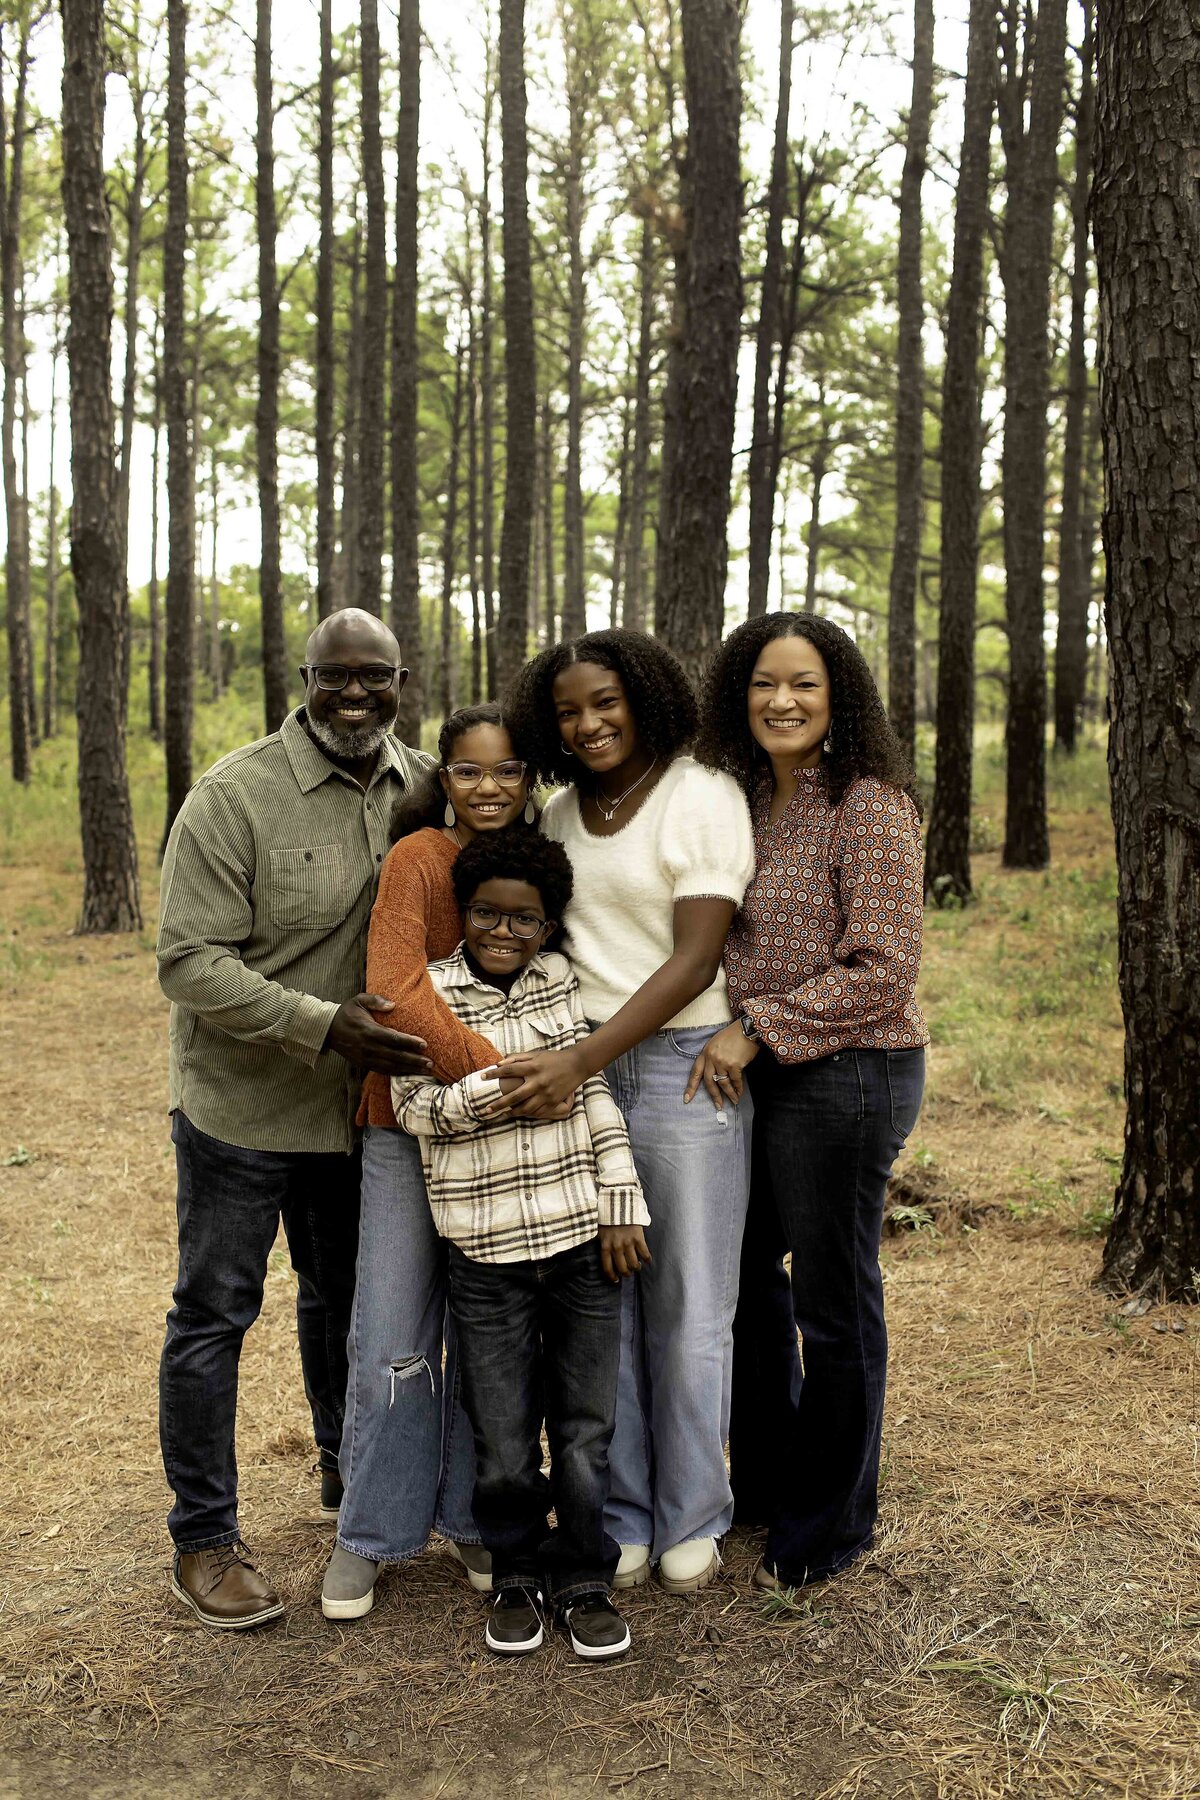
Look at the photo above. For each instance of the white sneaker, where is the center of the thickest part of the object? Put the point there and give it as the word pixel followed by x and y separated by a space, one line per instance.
pixel 633 1567
pixel 687 1567
pixel 477 1562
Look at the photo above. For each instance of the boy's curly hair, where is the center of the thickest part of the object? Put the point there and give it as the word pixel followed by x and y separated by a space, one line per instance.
pixel 659 694
pixel 862 739
pixel 515 853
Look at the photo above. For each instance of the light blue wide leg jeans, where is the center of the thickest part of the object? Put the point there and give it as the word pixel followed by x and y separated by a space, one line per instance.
pixel 407 1460
pixel 667 1461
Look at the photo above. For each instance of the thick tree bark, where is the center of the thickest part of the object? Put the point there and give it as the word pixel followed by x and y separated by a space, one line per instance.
pixel 910 396
pixel 325 346
pixel 50 641
pixel 446 670
pixel 16 501
pixel 266 417
pixel 574 599
pixel 179 671
pixel 1147 231
pixel 135 220
pixel 633 615
pixel 406 515
pixel 760 475
pixel 154 659
pixel 1074 574
pixel 948 845
pixel 487 385
pixel 110 877
pixel 369 584
pixel 691 603
pixel 519 357
pixel 1031 165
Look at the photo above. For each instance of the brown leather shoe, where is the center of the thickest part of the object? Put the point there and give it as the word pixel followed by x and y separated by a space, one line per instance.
pixel 223 1588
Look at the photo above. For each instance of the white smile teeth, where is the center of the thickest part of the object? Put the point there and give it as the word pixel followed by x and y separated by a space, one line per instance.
pixel 600 743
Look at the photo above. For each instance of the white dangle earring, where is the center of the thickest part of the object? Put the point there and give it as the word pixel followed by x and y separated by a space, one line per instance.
pixel 529 814
pixel 448 815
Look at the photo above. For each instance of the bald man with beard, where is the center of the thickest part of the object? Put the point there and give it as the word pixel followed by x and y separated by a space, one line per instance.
pixel 268 881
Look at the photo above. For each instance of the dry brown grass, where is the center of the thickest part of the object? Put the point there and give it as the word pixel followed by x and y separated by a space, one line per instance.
pixel 1029 1624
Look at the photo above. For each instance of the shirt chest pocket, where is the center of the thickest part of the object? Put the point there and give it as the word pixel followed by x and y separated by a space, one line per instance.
pixel 552 1030
pixel 308 887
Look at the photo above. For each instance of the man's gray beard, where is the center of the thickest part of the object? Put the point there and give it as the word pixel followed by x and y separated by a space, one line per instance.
pixel 348 746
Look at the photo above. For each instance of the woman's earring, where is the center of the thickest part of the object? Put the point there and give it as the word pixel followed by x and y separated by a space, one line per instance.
pixel 564 751
pixel 448 815
pixel 828 745
pixel 529 814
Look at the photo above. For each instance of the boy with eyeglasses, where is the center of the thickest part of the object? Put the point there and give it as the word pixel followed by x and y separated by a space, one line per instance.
pixel 543 1219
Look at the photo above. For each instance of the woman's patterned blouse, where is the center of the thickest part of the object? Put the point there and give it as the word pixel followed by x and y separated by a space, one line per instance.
pixel 825 950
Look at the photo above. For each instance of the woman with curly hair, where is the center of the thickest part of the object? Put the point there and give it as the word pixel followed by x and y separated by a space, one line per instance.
pixel 407 1457
pixel 822 967
pixel 662 851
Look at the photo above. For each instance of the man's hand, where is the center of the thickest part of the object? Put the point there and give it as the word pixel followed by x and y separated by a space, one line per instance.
pixel 623 1249
pixel 354 1034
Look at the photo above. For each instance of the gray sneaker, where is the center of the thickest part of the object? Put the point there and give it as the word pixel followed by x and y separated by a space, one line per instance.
pixel 477 1562
pixel 348 1591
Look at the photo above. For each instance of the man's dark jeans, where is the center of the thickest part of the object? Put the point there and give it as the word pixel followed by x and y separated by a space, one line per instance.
pixel 804 1444
pixel 541 1339
pixel 229 1203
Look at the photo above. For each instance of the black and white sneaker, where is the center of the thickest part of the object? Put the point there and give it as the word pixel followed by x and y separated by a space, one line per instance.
pixel 596 1627
pixel 515 1622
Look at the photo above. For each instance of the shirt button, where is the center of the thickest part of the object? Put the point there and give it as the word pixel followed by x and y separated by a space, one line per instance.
pixel 370 806
pixel 378 856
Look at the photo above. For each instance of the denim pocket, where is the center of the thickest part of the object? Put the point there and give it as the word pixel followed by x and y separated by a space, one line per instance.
pixel 689 1040
pixel 906 1085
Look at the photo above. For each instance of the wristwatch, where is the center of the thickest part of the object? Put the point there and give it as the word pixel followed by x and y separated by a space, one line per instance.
pixel 749 1028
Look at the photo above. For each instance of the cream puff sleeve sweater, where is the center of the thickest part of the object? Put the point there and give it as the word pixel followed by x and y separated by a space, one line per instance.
pixel 690 840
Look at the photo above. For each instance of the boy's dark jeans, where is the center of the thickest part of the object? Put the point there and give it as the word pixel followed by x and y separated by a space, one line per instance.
pixel 229 1203
pixel 541 1339
pixel 804 1446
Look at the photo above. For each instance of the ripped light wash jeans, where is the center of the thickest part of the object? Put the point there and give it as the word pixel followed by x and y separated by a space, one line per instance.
pixel 667 1461
pixel 408 1455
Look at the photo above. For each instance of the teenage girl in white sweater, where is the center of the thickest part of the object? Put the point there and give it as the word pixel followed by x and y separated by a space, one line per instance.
pixel 662 851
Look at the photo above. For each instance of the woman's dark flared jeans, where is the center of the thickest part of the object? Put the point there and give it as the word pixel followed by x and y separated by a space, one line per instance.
pixel 804 1438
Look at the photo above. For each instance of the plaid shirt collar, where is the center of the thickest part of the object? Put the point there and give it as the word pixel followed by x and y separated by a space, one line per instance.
pixel 458 973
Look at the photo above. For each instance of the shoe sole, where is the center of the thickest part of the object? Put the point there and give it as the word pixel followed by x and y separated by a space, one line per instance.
pixel 633 1577
pixel 358 1608
pixel 599 1652
pixel 261 1618
pixel 689 1584
pixel 328 1515
pixel 480 1581
pixel 521 1649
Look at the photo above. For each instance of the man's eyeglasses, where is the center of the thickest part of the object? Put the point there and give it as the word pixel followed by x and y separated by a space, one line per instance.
pixel 468 774
pixel 331 678
pixel 521 924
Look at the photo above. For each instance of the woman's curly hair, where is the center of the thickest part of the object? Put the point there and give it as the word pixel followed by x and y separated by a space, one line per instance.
pixel 425 803
pixel 862 739
pixel 515 853
pixel 659 693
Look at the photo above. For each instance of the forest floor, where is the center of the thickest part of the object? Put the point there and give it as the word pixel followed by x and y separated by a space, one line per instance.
pixel 1028 1624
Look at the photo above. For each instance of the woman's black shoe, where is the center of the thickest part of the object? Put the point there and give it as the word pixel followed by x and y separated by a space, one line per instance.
pixel 596 1627
pixel 515 1623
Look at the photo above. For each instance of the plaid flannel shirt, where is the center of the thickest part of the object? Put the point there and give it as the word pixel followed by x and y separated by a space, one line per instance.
pixel 519 1190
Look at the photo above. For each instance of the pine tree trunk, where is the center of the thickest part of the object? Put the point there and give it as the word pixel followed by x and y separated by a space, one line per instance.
pixel 266 417
pixel 23 338
pixel 16 556
pixel 133 263
pixel 154 660
pixel 473 501
pixel 691 603
pixel 110 878
pixel 216 672
pixel 820 466
pixel 550 600
pixel 574 599
pixel 760 472
pixel 406 517
pixel 1147 232
pixel 369 584
pixel 50 641
pixel 519 358
pixel 179 671
pixel 672 423
pixel 621 526
pixel 948 845
pixel 325 348
pixel 1074 576
pixel 346 566
pixel 633 615
pixel 910 396
pixel 450 536
pixel 1031 162
pixel 487 386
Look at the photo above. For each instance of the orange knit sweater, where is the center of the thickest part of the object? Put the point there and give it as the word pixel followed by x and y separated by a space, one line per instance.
pixel 416 921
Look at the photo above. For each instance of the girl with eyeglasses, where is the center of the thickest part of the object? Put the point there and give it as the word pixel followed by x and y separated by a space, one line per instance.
pixel 408 1457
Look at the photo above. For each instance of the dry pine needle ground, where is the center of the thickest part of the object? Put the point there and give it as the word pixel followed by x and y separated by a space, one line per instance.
pixel 1028 1625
